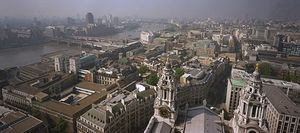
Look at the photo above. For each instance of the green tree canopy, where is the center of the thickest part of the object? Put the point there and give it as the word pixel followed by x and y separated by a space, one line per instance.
pixel 60 126
pixel 178 73
pixel 265 69
pixel 143 69
pixel 250 67
pixel 291 78
pixel 152 79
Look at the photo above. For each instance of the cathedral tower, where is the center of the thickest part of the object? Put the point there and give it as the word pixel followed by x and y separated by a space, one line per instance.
pixel 249 115
pixel 165 103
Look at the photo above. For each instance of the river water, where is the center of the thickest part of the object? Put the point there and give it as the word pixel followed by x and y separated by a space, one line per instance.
pixel 30 54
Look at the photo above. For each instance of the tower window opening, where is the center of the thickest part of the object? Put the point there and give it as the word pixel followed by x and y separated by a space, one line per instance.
pixel 253 111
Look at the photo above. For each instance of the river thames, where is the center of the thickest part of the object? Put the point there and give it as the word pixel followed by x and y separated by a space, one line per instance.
pixel 21 56
pixel 29 54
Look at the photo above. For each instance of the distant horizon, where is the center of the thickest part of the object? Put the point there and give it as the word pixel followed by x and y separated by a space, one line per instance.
pixel 151 8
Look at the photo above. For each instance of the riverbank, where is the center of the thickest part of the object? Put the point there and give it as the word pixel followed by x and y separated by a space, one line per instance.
pixel 20 56
pixel 14 45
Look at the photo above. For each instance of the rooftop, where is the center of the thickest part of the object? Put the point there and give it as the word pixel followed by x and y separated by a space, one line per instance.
pixel 92 86
pixel 242 76
pixel 36 85
pixel 17 121
pixel 238 82
pixel 281 102
pixel 161 127
pixel 72 109
pixel 202 120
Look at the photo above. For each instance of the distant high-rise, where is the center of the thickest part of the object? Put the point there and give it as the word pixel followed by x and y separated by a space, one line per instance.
pixel 278 41
pixel 89 18
pixel 70 21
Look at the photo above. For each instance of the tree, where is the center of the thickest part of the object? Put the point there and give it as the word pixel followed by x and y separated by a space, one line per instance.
pixel 178 73
pixel 152 79
pixel 143 69
pixel 250 67
pixel 35 112
pixel 60 126
pixel 291 78
pixel 265 69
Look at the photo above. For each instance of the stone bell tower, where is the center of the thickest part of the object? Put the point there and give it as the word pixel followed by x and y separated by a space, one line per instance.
pixel 165 103
pixel 249 115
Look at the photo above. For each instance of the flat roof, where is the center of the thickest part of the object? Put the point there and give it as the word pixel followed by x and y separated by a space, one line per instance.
pixel 92 86
pixel 25 125
pixel 238 82
pixel 237 74
pixel 18 122
pixel 32 90
pixel 281 102
pixel 71 110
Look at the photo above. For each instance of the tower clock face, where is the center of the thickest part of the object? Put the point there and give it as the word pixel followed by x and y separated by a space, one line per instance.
pixel 165 112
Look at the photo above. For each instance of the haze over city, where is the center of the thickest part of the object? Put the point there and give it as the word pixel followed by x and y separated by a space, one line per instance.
pixel 151 8
pixel 150 66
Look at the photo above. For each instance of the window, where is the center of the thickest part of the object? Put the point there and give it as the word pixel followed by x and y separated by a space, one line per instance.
pixel 253 111
pixel 293 119
pixel 244 108
pixel 287 118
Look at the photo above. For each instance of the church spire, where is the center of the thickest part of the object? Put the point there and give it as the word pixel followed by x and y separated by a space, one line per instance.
pixel 168 64
pixel 256 72
pixel 165 103
pixel 255 81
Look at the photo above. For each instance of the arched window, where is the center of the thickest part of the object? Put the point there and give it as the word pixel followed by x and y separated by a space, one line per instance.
pixel 252 131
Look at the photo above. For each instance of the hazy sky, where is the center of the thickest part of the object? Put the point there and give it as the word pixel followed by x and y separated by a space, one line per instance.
pixel 147 8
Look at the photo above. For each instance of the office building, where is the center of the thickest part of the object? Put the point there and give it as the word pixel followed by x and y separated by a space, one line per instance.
pixel 262 105
pixel 146 37
pixel 292 49
pixel 125 112
pixel 62 63
pixel 89 18
pixel 278 41
pixel 194 34
pixel 115 73
pixel 239 80
pixel 282 112
pixel 204 48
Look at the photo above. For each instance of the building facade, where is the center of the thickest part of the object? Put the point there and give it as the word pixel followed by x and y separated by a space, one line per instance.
pixel 62 64
pixel 280 111
pixel 89 18
pixel 146 37
pixel 124 112
pixel 234 85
